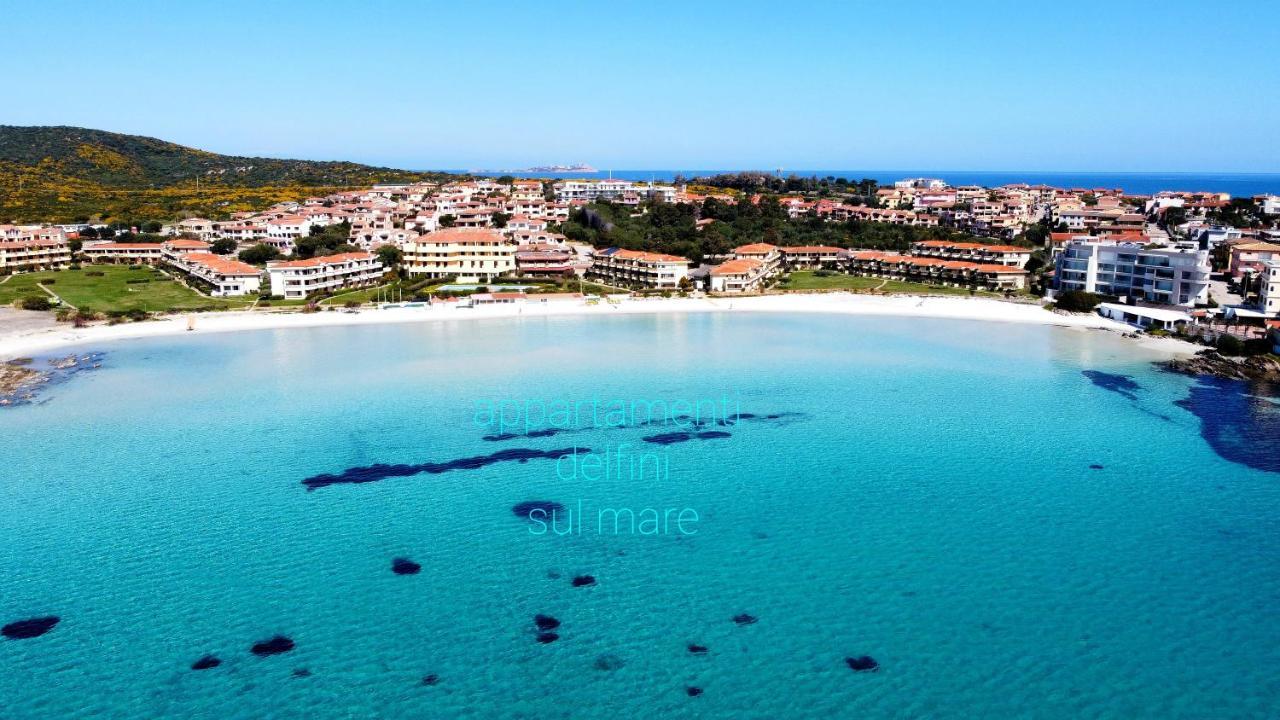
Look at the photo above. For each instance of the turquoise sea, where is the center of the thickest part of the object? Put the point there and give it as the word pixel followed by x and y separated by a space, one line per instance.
pixel 1012 521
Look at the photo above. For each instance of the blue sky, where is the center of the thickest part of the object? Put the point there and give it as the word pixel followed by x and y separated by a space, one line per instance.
pixel 1172 86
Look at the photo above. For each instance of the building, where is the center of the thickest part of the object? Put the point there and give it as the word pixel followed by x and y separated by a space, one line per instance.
pixel 633 267
pixel 767 255
pixel 117 252
pixel 590 190
pixel 546 260
pixel 936 271
pixel 1164 275
pixel 297 279
pixel 1251 258
pixel 810 256
pixel 1010 255
pixel 223 276
pixel 1144 317
pixel 1269 289
pixel 739 275
pixel 34 253
pixel 469 255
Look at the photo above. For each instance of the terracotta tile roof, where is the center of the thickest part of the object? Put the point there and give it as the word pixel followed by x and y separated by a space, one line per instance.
pixel 321 260
pixel 736 267
pixel 755 249
pixel 222 265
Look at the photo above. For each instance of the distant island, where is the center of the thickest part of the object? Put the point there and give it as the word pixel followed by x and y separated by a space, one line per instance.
pixel 579 167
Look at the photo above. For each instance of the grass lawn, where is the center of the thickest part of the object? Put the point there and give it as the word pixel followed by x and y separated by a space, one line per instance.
pixel 152 291
pixel 807 280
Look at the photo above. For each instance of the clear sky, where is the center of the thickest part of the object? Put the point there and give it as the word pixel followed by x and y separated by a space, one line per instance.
pixel 1159 86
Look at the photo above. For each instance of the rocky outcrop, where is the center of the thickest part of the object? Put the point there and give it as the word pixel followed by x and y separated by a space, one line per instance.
pixel 1211 362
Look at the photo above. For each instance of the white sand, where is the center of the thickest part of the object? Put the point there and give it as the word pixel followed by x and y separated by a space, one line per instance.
pixel 18 342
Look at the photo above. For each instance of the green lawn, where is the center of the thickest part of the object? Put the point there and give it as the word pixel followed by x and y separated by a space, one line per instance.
pixel 807 280
pixel 112 291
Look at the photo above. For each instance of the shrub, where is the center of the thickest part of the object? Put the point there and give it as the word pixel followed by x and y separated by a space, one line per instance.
pixel 351 304
pixel 1077 301
pixel 1230 344
pixel 50 281
pixel 35 302
pixel 94 273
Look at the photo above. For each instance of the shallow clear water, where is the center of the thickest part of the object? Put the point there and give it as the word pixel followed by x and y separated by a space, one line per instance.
pixel 926 498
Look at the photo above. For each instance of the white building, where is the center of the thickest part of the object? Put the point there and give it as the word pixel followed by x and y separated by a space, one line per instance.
pixel 1169 276
pixel 1144 317
pixel 633 267
pixel 297 279
pixel 1269 289
pixel 224 276
pixel 470 255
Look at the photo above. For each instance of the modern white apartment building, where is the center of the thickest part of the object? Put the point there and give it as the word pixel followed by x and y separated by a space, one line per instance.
pixel 470 254
pixel 739 275
pixel 608 189
pixel 296 279
pixel 1169 276
pixel 632 267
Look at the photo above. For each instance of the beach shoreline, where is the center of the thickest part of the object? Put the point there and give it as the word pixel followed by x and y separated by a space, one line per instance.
pixel 26 342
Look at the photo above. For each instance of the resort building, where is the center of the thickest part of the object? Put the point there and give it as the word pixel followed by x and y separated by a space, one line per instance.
pixel 810 256
pixel 767 255
pixel 1168 276
pixel 117 252
pixel 223 276
pixel 545 260
pixel 633 267
pixel 34 254
pixel 469 255
pixel 1010 255
pixel 739 275
pixel 936 271
pixel 613 190
pixel 297 279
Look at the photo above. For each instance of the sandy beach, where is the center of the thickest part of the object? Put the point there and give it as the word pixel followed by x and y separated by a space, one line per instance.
pixel 26 339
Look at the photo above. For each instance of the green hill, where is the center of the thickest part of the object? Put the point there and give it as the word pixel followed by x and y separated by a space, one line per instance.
pixel 67 174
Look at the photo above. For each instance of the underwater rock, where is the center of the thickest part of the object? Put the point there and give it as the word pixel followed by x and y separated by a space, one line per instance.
pixel 405 566
pixel 382 471
pixel 1116 383
pixel 609 662
pixel 692 691
pixel 745 619
pixel 545 622
pixel 1095 466
pixel 672 438
pixel 208 662
pixel 544 507
pixel 430 680
pixel 301 672
pixel 547 637
pixel 584 580
pixel 31 628
pixel 864 663
pixel 275 646
pixel 698 649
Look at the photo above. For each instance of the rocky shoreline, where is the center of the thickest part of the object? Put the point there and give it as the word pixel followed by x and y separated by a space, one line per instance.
pixel 1213 363
pixel 21 381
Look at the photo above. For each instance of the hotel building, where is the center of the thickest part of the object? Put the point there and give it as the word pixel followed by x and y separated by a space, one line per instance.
pixel 810 256
pixel 1010 255
pixel 936 271
pixel 297 279
pixel 470 255
pixel 1168 276
pixel 739 275
pixel 633 267
pixel 34 254
pixel 224 276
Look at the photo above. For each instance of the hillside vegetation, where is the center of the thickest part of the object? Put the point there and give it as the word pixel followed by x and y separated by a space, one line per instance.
pixel 67 174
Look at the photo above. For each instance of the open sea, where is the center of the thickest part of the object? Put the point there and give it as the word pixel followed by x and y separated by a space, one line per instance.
pixel 1142 183
pixel 989 520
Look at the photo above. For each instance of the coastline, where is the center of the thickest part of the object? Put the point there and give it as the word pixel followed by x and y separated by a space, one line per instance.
pixel 28 342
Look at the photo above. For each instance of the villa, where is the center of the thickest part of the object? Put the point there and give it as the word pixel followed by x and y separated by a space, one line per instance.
pixel 297 279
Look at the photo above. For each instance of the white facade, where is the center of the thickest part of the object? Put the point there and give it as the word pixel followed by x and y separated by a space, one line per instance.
pixel 1168 276
pixel 1269 290
pixel 470 255
pixel 296 279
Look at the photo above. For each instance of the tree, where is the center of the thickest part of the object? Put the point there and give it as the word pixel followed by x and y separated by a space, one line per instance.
pixel 89 233
pixel 223 246
pixel 259 254
pixel 447 221
pixel 505 180
pixel 389 255
pixel 1077 301
pixel 152 227
pixel 500 219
